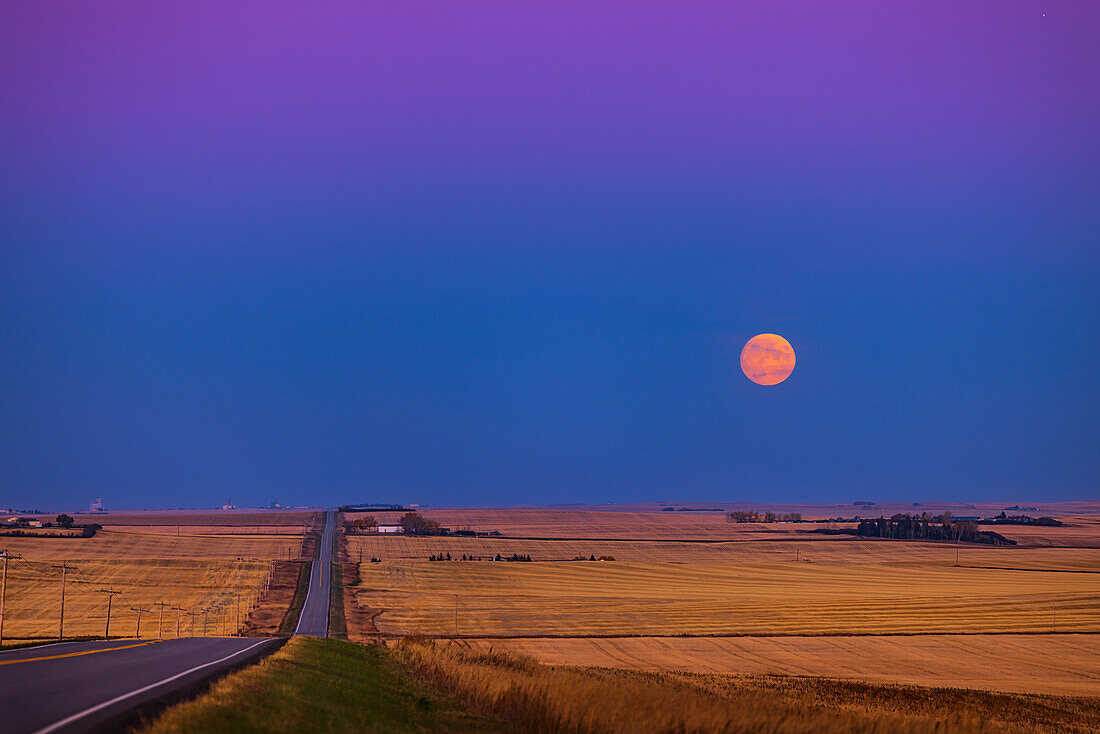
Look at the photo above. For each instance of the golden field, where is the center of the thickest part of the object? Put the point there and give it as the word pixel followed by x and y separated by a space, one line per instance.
pixel 733 598
pixel 194 569
pixel 136 543
pixel 34 597
pixel 692 592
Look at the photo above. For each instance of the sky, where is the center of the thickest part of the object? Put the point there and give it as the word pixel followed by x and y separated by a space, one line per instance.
pixel 508 253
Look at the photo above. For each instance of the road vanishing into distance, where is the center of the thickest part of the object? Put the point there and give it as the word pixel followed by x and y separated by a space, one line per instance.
pixel 99 685
pixel 314 617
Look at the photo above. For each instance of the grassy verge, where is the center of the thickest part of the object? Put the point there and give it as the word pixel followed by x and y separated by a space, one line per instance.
pixel 290 619
pixel 542 698
pixel 317 685
pixel 337 624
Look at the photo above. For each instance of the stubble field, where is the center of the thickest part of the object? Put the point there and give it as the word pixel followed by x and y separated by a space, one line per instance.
pixel 215 577
pixel 697 594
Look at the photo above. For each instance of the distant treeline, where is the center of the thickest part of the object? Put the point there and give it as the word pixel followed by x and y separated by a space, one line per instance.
pixel 526 558
pixel 692 509
pixel 922 527
pixel 86 531
pixel 754 516
pixel 1005 519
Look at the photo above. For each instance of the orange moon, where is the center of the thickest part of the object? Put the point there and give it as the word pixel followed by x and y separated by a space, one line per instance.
pixel 767 359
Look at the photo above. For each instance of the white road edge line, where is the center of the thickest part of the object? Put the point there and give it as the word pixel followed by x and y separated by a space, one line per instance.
pixel 302 613
pixel 79 715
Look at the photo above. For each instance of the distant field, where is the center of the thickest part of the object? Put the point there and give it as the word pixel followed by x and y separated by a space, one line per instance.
pixel 263 530
pixel 786 546
pixel 204 519
pixel 136 543
pixel 690 591
pixel 197 567
pixel 1052 664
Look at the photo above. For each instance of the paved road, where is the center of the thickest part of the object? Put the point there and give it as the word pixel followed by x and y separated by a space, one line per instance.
pixel 80 686
pixel 314 617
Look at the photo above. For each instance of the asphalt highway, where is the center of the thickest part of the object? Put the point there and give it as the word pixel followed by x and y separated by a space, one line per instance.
pixel 314 617
pixel 85 686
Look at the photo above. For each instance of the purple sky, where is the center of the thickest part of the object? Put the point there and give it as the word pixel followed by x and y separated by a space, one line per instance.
pixel 444 251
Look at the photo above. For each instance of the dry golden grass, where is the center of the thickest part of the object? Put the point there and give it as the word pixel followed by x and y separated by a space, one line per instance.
pixel 34 596
pixel 539 698
pixel 1049 664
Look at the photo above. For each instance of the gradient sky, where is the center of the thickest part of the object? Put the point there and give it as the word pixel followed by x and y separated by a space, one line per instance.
pixel 474 253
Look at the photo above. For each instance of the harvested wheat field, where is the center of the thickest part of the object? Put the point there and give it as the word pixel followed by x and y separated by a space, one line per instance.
pixel 34 597
pixel 584 597
pixel 803 548
pixel 135 543
pixel 692 592
pixel 197 570
pixel 1056 664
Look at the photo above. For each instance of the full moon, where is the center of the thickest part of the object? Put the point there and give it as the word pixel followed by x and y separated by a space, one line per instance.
pixel 767 359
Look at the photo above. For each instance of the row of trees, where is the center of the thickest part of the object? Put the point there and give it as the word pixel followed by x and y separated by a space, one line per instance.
pixel 514 557
pixel 926 527
pixel 754 516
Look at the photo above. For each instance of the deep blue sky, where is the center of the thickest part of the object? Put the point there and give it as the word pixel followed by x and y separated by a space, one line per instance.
pixel 488 254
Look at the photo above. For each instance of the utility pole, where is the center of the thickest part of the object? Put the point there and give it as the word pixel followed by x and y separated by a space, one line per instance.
pixel 192 615
pixel 237 602
pixel 160 624
pixel 4 590
pixel 64 573
pixel 179 610
pixel 205 614
pixel 957 534
pixel 139 610
pixel 110 597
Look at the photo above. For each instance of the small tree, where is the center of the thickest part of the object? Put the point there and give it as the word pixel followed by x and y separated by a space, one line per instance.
pixel 65 521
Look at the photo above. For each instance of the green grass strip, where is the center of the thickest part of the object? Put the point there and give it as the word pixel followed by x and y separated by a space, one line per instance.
pixel 319 685
pixel 290 619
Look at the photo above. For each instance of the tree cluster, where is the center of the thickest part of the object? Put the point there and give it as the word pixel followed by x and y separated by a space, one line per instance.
pixel 365 524
pixel 754 516
pixel 413 523
pixel 925 527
